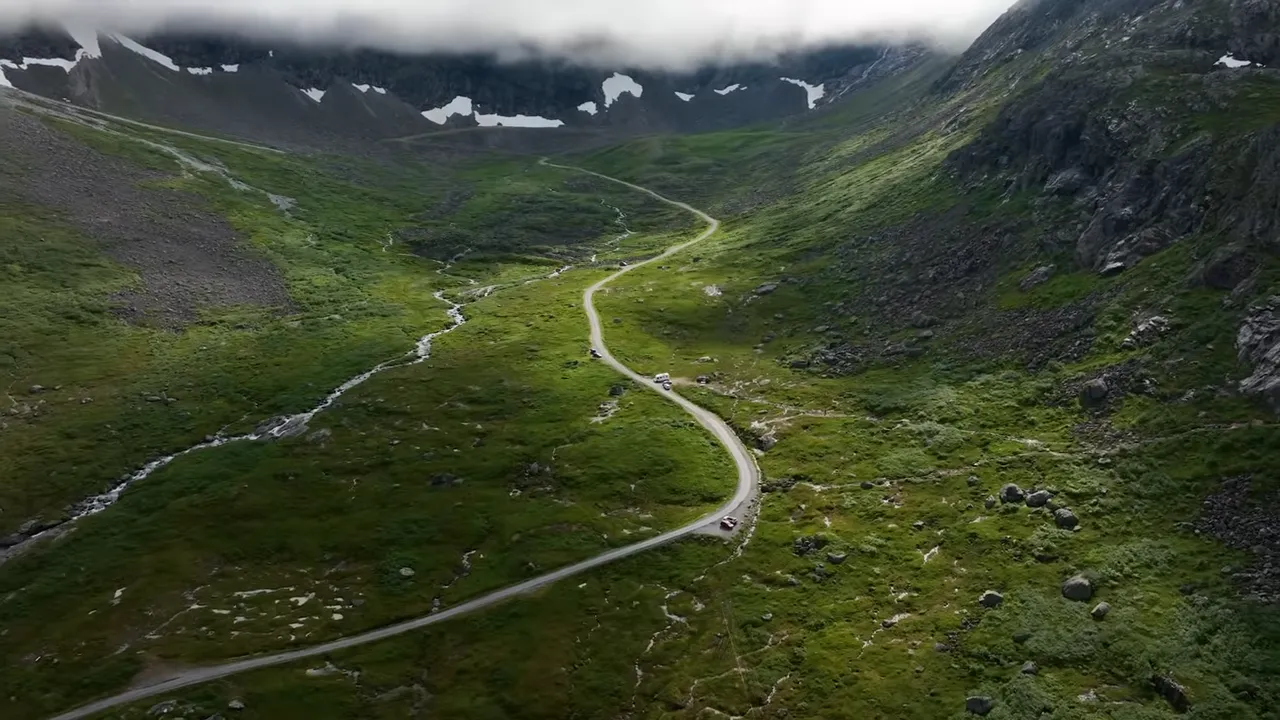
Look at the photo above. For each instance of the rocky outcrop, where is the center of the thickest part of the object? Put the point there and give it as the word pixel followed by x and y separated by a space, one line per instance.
pixel 1258 343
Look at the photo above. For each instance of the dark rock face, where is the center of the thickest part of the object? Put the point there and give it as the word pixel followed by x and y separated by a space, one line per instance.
pixel 1172 691
pixel 1258 342
pixel 1226 268
pixel 991 599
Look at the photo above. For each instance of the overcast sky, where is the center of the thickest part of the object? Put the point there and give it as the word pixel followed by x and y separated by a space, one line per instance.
pixel 642 32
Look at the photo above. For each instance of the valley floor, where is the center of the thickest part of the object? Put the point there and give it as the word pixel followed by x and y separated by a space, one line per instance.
pixel 994 480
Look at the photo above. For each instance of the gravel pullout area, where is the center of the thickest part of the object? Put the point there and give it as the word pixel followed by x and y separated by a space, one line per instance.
pixel 188 257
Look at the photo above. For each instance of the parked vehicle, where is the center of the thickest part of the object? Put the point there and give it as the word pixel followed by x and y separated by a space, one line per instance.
pixel 728 522
pixel 662 378
pixel 596 354
pixel 666 386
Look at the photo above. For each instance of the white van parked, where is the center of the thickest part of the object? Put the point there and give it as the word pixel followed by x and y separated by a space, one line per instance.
pixel 662 377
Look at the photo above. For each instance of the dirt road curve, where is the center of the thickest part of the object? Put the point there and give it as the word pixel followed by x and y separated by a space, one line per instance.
pixel 748 480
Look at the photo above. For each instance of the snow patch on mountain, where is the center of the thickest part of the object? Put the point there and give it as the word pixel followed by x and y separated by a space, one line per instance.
pixel 147 52
pixel 816 92
pixel 47 62
pixel 1230 61
pixel 200 71
pixel 618 84
pixel 589 108
pixel 524 121
pixel 314 94
pixel 87 39
pixel 732 88
pixel 684 96
pixel 457 106
pixel 367 88
pixel 230 68
pixel 4 81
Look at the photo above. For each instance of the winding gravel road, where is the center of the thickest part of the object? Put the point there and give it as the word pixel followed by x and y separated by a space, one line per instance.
pixel 748 481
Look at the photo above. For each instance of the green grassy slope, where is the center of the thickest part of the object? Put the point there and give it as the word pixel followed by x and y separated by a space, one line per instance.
pixel 901 376
pixel 509 447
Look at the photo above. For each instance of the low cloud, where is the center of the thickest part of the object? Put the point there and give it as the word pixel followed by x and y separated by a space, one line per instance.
pixel 653 33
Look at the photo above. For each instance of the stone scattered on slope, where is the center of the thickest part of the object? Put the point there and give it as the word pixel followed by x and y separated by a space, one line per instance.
pixel 979 704
pixel 1094 393
pixel 1234 516
pixel 807 544
pixel 1039 498
pixel 1100 610
pixel 236 704
pixel 991 599
pixel 991 501
pixel 1172 691
pixel 407 572
pixel 836 558
pixel 1030 668
pixel 1065 519
pixel 1039 276
pixel 1010 494
pixel 1145 332
pixel 1077 588
pixel 163 708
pixel 766 289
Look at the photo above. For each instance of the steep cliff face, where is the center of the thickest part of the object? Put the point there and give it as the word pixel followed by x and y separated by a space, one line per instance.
pixel 1143 119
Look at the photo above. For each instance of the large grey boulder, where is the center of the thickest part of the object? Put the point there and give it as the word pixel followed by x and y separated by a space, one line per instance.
pixel 991 599
pixel 1094 393
pixel 1077 588
pixel 1258 344
pixel 1065 519
pixel 1039 498
pixel 979 704
pixel 1010 494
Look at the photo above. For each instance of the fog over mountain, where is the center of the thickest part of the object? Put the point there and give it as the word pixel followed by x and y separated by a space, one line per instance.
pixel 655 34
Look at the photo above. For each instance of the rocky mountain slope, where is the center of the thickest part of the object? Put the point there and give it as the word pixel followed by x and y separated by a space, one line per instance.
pixel 262 89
